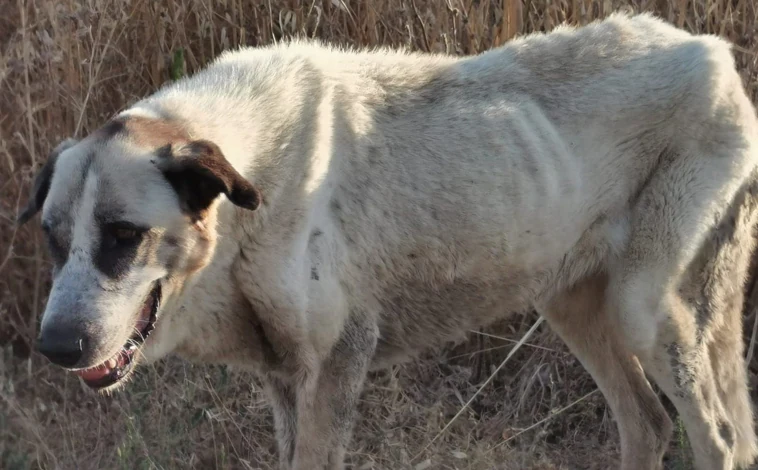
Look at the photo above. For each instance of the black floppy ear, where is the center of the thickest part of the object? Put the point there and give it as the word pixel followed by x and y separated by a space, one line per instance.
pixel 42 183
pixel 199 172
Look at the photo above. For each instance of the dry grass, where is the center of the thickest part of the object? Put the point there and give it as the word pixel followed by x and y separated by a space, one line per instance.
pixel 67 65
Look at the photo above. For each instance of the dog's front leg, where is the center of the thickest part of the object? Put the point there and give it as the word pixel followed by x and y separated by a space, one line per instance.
pixel 326 403
pixel 283 399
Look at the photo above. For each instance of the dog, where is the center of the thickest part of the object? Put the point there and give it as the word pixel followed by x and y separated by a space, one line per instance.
pixel 311 213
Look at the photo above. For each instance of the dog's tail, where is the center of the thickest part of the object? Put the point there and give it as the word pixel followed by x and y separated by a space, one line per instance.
pixel 731 380
pixel 726 350
pixel 726 354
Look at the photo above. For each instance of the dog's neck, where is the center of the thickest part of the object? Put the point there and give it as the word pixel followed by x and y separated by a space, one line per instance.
pixel 274 156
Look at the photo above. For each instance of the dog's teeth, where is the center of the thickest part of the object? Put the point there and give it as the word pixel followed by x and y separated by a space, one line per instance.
pixel 111 364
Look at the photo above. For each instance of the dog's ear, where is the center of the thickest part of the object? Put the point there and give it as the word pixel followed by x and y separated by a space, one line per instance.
pixel 42 183
pixel 199 172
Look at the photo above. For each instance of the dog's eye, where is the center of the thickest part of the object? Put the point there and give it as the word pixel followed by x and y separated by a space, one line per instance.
pixel 124 233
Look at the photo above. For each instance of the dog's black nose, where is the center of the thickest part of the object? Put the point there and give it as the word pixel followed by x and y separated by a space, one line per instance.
pixel 62 349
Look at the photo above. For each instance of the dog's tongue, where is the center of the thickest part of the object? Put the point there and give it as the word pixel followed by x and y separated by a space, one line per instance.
pixel 98 372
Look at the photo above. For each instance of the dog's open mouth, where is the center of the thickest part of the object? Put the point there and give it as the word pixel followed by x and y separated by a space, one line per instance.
pixel 118 367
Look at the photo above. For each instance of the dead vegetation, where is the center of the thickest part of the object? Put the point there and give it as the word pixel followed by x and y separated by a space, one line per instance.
pixel 65 66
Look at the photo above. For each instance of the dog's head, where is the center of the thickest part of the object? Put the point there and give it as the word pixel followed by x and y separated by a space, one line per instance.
pixel 129 214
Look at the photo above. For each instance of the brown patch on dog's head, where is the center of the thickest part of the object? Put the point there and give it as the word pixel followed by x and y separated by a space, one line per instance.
pixel 196 169
pixel 144 131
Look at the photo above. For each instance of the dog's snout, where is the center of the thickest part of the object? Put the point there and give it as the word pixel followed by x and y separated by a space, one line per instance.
pixel 62 346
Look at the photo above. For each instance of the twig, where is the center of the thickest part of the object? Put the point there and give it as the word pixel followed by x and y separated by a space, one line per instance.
pixel 487 382
pixel 14 232
pixel 503 338
pixel 752 304
pixel 544 420
pixel 751 348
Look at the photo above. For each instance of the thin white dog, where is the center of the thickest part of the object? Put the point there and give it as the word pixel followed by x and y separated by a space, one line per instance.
pixel 378 203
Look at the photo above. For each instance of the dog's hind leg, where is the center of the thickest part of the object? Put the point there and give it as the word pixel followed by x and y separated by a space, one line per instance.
pixel 660 317
pixel 580 318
